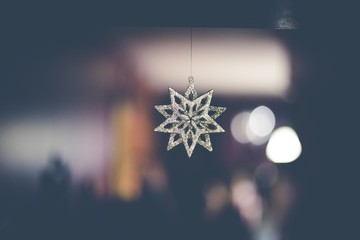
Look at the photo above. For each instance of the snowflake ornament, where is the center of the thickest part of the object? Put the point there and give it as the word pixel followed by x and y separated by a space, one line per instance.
pixel 190 119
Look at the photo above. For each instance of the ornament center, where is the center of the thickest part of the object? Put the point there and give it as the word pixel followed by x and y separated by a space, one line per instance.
pixel 190 118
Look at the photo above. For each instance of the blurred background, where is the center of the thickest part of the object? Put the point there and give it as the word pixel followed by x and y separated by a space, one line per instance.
pixel 79 158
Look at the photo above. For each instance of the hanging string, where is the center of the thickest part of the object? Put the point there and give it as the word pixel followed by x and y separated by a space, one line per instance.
pixel 191 79
pixel 190 51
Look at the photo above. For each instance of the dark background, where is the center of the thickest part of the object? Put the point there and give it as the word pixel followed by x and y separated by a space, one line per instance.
pixel 328 99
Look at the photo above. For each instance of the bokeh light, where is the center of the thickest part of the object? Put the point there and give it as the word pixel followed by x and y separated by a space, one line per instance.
pixel 266 174
pixel 284 146
pixel 238 127
pixel 247 200
pixel 261 121
pixel 253 127
pixel 216 197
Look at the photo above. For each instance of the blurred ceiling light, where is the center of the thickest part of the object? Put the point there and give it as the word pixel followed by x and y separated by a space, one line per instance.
pixel 232 61
pixel 261 121
pixel 284 145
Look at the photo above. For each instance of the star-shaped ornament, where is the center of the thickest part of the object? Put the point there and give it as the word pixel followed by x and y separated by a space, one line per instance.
pixel 190 119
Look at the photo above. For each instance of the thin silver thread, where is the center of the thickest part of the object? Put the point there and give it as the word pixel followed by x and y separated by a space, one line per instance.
pixel 190 51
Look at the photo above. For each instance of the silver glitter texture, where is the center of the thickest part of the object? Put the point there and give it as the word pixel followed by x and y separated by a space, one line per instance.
pixel 190 119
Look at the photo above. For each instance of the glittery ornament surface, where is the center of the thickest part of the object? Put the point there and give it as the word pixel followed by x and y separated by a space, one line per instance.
pixel 190 119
